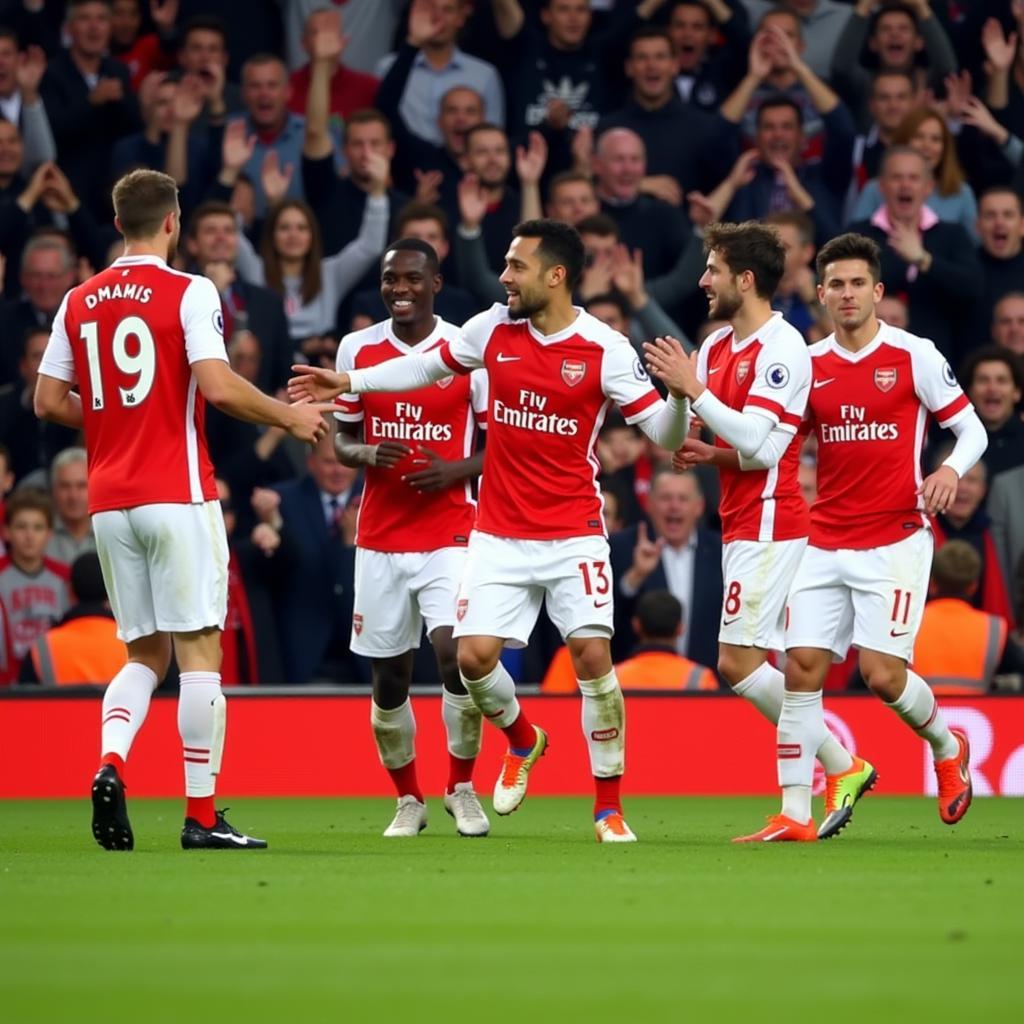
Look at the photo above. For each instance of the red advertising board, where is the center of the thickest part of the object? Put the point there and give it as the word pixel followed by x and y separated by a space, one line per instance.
pixel 321 746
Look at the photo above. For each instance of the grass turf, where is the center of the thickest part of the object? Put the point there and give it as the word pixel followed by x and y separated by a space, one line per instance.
pixel 900 918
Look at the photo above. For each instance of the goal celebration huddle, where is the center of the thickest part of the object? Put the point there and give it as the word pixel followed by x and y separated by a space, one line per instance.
pixel 481 506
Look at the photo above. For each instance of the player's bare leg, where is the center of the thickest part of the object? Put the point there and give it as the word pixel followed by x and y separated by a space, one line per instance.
pixel 462 725
pixel 911 698
pixel 493 691
pixel 604 728
pixel 202 722
pixel 394 732
pixel 748 671
pixel 125 705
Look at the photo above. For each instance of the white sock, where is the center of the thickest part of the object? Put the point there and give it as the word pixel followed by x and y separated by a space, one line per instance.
pixel 394 732
pixel 462 722
pixel 125 704
pixel 495 696
pixel 801 732
pixel 604 725
pixel 764 688
pixel 195 726
pixel 917 706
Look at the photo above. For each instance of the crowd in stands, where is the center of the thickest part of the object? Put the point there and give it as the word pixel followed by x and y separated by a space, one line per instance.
pixel 306 134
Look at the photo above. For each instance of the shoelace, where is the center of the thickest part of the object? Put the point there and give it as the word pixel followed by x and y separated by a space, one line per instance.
pixel 831 792
pixel 408 814
pixel 467 804
pixel 948 773
pixel 222 822
pixel 510 770
pixel 616 823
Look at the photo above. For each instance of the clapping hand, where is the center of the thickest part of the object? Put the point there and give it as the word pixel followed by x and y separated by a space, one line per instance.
pixel 531 160
pixel 274 178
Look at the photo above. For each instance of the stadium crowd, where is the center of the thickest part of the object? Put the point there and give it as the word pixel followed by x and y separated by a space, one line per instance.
pixel 306 135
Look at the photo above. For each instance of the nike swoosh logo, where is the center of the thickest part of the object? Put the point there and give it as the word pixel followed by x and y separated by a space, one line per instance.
pixel 601 604
pixel 821 383
pixel 893 633
pixel 237 840
pixel 502 358
pixel 729 622
pixel 772 835
pixel 713 369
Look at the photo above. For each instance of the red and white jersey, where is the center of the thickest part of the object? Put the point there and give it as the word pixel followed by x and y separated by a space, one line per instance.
pixel 548 398
pixel 128 337
pixel 870 411
pixel 768 373
pixel 393 516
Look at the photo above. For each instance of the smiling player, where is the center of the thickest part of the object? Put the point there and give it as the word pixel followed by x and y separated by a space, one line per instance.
pixel 553 370
pixel 415 519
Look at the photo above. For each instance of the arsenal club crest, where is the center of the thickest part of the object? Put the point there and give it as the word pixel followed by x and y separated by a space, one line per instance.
pixel 742 369
pixel 460 608
pixel 357 624
pixel 885 378
pixel 445 382
pixel 573 371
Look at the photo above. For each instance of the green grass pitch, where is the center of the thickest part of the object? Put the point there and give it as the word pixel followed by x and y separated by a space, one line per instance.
pixel 900 918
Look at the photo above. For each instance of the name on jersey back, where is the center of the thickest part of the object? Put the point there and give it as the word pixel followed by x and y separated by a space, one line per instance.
pixel 126 290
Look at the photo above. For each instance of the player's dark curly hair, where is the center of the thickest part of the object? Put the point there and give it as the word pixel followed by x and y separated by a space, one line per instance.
pixel 560 245
pixel 749 246
pixel 850 246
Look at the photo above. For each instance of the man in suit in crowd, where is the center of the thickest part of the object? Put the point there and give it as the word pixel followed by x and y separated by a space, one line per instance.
pixel 314 600
pixel 675 554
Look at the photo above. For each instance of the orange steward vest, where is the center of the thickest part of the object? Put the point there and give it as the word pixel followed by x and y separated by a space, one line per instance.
pixel 83 650
pixel 662 670
pixel 958 647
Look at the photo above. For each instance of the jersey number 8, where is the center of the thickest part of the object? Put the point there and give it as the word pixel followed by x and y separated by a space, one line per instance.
pixel 142 365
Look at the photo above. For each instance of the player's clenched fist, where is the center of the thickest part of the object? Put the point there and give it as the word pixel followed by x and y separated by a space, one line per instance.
pixel 305 421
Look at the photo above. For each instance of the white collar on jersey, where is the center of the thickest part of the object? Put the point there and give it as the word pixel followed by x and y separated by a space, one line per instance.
pixel 765 328
pixel 134 261
pixel 869 349
pixel 428 342
pixel 565 332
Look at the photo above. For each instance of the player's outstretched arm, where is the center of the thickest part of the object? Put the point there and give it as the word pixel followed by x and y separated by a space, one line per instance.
pixel 230 393
pixel 55 401
pixel 317 384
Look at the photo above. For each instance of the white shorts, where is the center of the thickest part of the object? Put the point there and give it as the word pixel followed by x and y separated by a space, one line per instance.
pixel 165 567
pixel 506 579
pixel 872 599
pixel 396 593
pixel 757 576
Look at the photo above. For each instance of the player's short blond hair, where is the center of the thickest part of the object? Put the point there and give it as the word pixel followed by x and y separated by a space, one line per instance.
pixel 142 199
